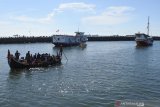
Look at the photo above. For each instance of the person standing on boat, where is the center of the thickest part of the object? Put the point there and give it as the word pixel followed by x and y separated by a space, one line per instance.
pixel 61 50
pixel 28 56
pixel 17 54
pixel 8 56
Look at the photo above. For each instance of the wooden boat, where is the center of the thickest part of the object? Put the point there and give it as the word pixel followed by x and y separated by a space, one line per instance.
pixel 15 63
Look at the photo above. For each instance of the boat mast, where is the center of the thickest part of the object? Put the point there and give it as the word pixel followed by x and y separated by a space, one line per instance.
pixel 148 26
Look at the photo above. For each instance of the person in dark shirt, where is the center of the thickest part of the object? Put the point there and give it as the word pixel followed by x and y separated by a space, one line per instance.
pixel 38 56
pixel 61 50
pixel 8 56
pixel 28 57
pixel 17 54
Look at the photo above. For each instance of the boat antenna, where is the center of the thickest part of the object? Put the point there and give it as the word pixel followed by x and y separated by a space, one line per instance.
pixel 78 28
pixel 148 26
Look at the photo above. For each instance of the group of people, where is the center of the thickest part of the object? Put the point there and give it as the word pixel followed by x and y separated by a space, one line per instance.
pixel 36 58
pixel 45 57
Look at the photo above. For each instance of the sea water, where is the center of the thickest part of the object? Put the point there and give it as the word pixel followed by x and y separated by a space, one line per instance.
pixel 95 76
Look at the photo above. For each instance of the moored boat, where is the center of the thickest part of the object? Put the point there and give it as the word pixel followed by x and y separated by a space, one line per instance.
pixel 40 60
pixel 144 39
pixel 65 40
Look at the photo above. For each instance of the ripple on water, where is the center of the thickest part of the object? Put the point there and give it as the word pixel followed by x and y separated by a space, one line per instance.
pixel 96 76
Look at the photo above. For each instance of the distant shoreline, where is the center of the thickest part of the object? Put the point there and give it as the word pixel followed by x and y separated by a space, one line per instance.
pixel 46 39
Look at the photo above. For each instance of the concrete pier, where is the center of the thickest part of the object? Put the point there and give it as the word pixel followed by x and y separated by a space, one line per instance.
pixel 17 40
pixel 48 39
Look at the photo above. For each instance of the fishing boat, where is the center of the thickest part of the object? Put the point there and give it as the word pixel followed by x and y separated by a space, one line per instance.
pixel 66 40
pixel 143 39
pixel 43 60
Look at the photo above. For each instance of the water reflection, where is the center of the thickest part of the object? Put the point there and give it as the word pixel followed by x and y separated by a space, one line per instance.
pixel 15 73
pixel 71 48
pixel 142 47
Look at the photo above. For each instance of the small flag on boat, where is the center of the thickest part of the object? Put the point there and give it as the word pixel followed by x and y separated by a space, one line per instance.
pixel 57 30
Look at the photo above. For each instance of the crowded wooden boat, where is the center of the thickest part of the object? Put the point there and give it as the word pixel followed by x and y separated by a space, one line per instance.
pixel 32 61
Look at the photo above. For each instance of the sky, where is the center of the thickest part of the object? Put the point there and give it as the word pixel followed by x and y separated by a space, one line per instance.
pixel 102 17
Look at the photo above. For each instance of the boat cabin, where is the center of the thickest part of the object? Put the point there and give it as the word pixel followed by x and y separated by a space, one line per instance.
pixel 141 36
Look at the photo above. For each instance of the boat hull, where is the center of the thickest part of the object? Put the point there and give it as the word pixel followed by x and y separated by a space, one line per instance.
pixel 66 44
pixel 66 40
pixel 143 39
pixel 143 43
pixel 14 64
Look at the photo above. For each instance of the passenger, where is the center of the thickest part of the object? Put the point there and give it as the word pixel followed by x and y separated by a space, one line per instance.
pixel 53 58
pixel 8 56
pixel 48 57
pixel 61 50
pixel 28 57
pixel 35 56
pixel 17 54
pixel 31 58
pixel 43 57
pixel 38 56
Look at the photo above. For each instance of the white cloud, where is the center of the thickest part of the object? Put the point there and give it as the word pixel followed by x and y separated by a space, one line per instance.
pixel 112 16
pixel 45 20
pixel 23 18
pixel 75 6
pixel 4 23
pixel 61 8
